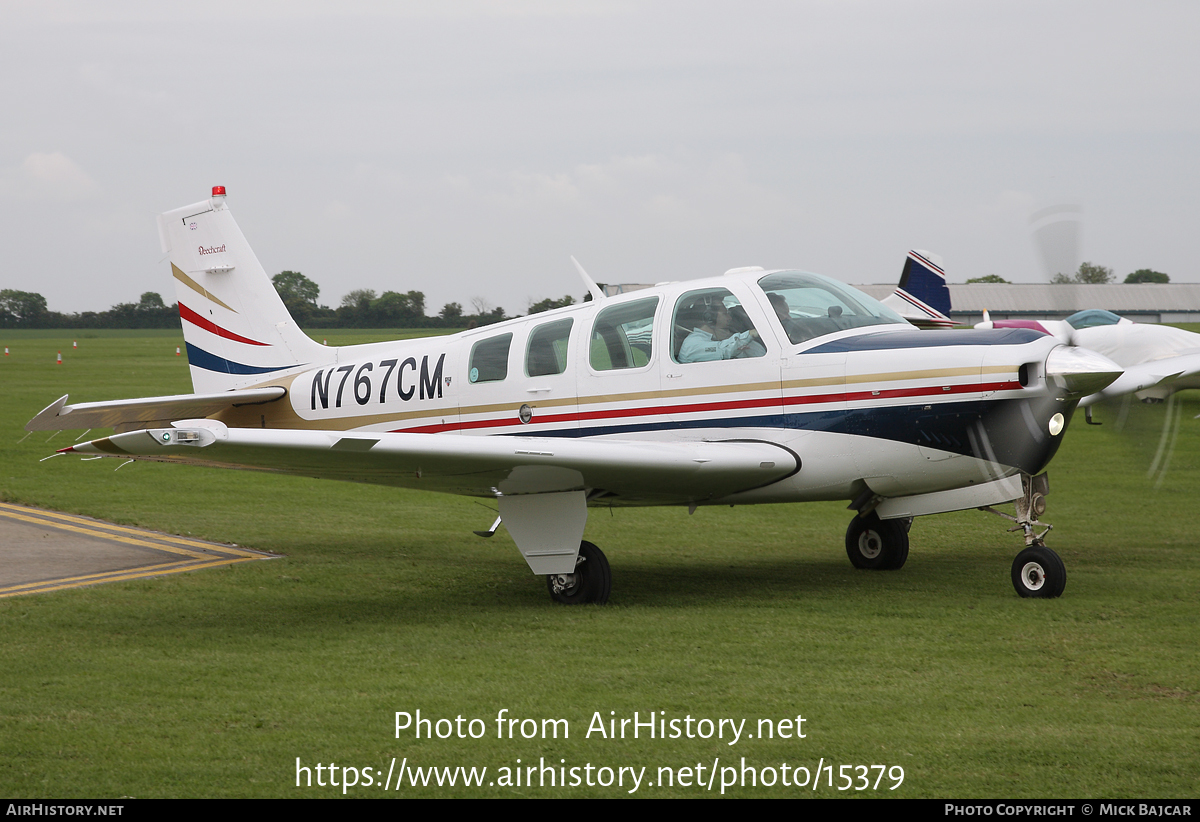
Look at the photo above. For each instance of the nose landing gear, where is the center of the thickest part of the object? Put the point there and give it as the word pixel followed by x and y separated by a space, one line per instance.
pixel 1037 571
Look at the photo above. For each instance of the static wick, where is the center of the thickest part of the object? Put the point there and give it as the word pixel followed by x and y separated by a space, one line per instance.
pixel 84 434
pixel 122 465
pixel 28 434
pixel 55 434
pixel 52 456
pixel 89 459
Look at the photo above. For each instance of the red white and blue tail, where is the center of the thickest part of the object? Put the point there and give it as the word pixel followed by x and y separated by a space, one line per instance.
pixel 237 330
pixel 922 297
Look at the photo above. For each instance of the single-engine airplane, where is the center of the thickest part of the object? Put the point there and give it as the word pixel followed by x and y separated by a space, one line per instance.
pixel 755 387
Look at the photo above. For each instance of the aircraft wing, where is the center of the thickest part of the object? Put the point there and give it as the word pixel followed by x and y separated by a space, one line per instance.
pixel 635 471
pixel 1156 378
pixel 58 416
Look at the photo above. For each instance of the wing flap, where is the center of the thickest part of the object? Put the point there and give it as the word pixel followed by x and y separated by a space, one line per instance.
pixel 58 416
pixel 636 471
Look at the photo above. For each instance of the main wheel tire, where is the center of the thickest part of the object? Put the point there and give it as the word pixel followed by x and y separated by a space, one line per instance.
pixel 591 582
pixel 1038 572
pixel 877 544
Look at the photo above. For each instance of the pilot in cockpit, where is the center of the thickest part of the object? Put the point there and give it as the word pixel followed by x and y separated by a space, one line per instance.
pixel 713 339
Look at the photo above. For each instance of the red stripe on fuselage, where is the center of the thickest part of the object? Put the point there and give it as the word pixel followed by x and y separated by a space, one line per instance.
pixel 196 320
pixel 731 405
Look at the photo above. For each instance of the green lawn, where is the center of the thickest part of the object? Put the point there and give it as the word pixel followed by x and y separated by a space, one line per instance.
pixel 213 683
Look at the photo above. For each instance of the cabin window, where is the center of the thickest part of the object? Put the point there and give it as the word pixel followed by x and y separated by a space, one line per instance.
pixel 712 325
pixel 810 306
pixel 489 359
pixel 623 335
pixel 547 352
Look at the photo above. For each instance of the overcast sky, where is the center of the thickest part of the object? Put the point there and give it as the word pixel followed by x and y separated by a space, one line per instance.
pixel 467 149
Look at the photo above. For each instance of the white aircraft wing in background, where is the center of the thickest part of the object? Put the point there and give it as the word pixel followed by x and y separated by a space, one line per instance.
pixel 1158 359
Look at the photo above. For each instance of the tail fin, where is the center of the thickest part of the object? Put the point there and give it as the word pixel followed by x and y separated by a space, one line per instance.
pixel 237 330
pixel 922 297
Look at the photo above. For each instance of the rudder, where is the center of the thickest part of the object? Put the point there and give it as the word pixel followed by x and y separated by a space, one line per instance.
pixel 922 297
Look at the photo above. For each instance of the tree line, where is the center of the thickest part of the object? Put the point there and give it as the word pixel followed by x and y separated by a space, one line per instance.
pixel 361 308
pixel 28 309
pixel 1091 274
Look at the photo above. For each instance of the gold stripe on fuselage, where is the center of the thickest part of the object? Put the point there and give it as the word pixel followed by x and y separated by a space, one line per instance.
pixel 283 415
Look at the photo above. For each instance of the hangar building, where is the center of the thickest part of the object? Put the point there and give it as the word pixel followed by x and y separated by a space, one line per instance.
pixel 1144 303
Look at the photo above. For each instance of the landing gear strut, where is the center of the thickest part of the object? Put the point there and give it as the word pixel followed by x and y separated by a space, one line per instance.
pixel 1037 571
pixel 591 582
pixel 877 544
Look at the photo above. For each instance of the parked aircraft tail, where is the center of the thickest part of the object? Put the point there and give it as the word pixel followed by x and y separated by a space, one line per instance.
pixel 922 297
pixel 237 330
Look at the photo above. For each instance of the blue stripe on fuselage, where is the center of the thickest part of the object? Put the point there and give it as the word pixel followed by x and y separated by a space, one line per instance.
pixel 884 341
pixel 1007 431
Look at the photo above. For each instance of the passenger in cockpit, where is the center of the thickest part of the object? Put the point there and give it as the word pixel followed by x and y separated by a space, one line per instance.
pixel 784 313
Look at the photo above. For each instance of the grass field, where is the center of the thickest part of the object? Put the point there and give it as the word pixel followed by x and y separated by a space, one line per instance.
pixel 214 683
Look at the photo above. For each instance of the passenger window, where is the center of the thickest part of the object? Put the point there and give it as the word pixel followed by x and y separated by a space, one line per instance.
pixel 547 352
pixel 489 359
pixel 712 325
pixel 623 335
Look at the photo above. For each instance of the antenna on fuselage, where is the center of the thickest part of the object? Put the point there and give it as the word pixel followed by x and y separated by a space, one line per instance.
pixel 592 288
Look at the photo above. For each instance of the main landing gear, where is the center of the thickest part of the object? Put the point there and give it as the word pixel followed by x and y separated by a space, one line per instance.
pixel 591 582
pixel 1037 571
pixel 877 544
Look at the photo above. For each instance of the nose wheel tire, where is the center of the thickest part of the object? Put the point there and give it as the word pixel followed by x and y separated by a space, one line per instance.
pixel 877 544
pixel 1038 572
pixel 591 582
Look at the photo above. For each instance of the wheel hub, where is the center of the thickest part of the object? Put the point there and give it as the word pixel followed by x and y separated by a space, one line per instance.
pixel 563 582
pixel 1033 575
pixel 870 544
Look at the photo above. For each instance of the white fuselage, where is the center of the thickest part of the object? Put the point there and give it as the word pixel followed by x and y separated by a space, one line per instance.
pixel 903 411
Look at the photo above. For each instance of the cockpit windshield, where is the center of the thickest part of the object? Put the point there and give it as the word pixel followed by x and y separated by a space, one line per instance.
pixel 809 305
pixel 1091 318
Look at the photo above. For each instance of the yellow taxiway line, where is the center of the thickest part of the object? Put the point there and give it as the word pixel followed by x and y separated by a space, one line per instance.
pixel 210 555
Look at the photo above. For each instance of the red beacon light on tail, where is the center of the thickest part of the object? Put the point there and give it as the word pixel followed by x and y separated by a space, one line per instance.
pixel 218 191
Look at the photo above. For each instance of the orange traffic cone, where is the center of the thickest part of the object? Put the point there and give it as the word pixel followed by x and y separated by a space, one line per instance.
pixel 6 350
pixel 59 358
pixel 176 351
pixel 74 344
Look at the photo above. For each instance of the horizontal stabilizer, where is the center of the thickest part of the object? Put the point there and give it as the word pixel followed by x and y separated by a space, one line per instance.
pixel 58 416
pixel 636 471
